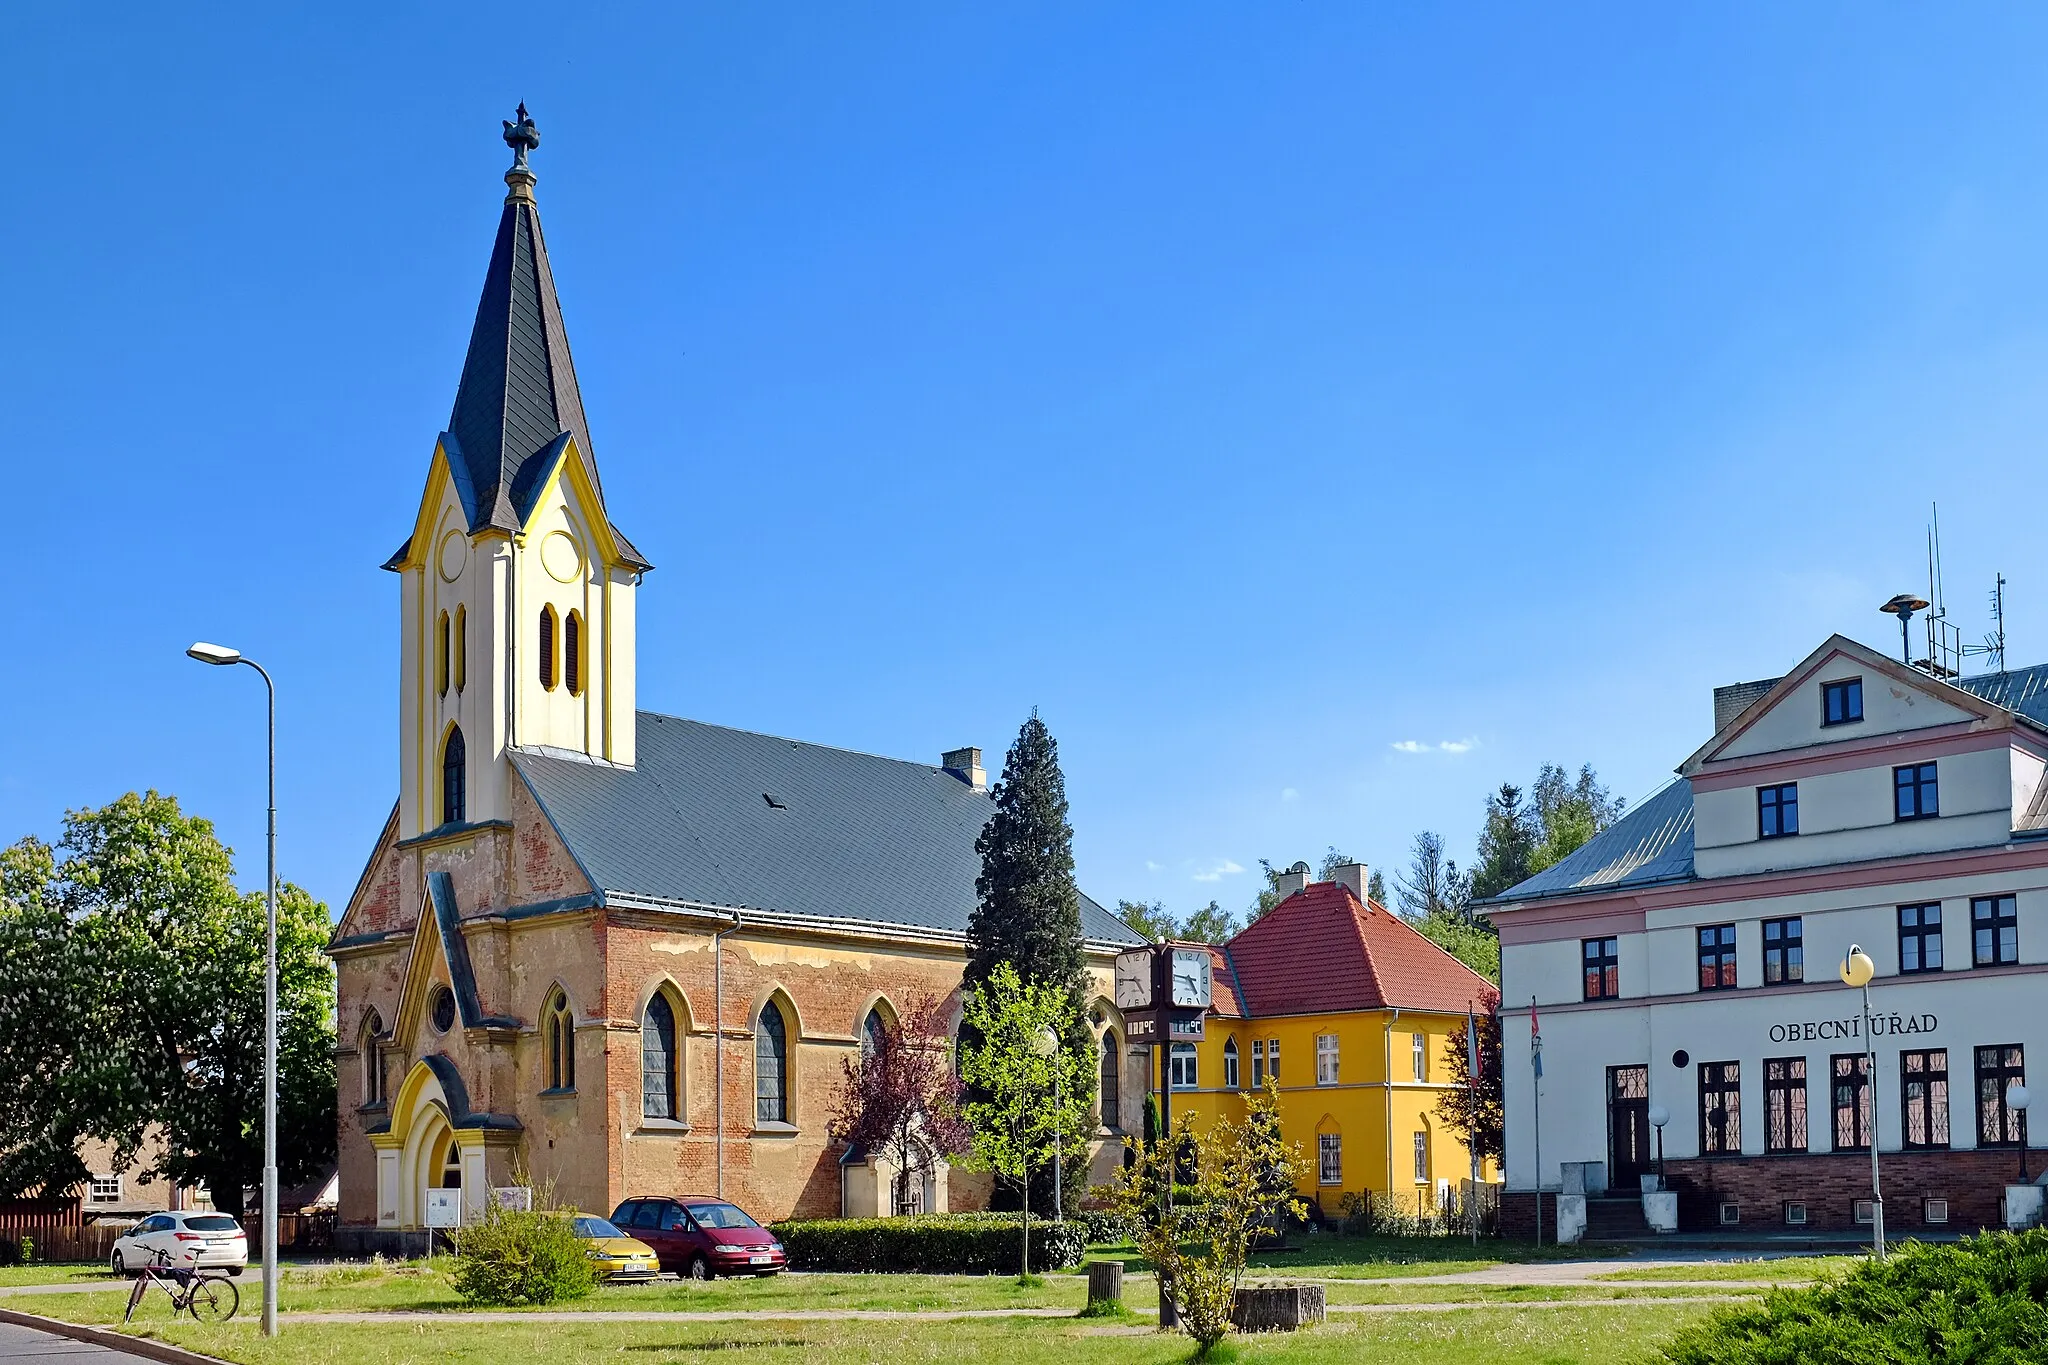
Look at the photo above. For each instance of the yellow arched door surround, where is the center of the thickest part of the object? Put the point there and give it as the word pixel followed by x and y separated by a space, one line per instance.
pixel 425 1149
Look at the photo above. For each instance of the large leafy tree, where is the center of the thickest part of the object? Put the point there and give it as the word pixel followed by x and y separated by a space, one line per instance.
pixel 1507 843
pixel 45 1024
pixel 1476 1112
pixel 900 1099
pixel 1433 885
pixel 1210 924
pixel 1568 811
pixel 158 960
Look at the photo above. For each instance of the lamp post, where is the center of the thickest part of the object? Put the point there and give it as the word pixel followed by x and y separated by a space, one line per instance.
pixel 1857 969
pixel 1047 1045
pixel 1659 1116
pixel 222 656
pixel 2016 1099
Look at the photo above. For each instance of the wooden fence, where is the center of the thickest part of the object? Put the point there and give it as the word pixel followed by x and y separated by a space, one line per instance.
pixel 61 1241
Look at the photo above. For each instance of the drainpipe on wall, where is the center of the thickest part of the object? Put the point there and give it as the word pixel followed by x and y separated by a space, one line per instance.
pixel 718 1041
pixel 1387 1081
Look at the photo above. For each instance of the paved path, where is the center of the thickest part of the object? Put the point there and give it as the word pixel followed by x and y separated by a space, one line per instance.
pixel 41 1348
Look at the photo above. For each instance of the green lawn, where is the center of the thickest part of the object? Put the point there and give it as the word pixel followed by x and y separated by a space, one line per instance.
pixel 1768 1271
pixel 1568 1336
pixel 1322 1256
pixel 62 1272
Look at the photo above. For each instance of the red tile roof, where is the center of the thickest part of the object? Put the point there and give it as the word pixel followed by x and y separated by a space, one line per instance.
pixel 1321 951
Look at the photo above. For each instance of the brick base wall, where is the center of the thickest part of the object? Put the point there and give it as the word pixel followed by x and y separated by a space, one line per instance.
pixel 1829 1184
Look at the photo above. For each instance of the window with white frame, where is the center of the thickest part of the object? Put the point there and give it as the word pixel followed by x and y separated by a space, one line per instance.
pixel 1182 1066
pixel 1230 1064
pixel 1326 1059
pixel 106 1189
pixel 1273 1059
pixel 1421 1157
pixel 1330 1158
pixel 1258 1063
pixel 1419 1048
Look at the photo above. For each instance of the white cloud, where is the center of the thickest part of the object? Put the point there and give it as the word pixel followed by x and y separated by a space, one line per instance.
pixel 1288 793
pixel 1448 746
pixel 1217 873
pixel 1151 866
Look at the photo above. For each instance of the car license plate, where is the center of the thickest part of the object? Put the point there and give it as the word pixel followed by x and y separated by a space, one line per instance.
pixel 761 1258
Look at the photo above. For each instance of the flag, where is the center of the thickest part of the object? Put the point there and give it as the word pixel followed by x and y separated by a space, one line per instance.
pixel 1535 1040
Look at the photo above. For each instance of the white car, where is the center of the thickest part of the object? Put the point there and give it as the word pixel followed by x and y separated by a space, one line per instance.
pixel 190 1237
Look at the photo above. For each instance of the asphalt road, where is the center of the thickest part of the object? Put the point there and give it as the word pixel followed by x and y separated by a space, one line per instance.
pixel 27 1344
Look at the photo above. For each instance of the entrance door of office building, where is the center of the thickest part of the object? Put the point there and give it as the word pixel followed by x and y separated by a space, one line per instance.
pixel 1628 1126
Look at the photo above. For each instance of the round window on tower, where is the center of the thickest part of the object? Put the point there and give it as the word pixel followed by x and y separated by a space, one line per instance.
pixel 441 1009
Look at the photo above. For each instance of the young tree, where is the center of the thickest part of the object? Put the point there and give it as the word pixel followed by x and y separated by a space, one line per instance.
pixel 1028 911
pixel 1476 1113
pixel 1244 1177
pixel 160 959
pixel 900 1099
pixel 1031 1097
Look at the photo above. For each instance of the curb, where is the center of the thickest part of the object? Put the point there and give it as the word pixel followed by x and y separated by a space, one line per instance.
pixel 114 1341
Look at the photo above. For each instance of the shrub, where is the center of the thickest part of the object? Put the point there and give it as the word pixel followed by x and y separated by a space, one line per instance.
pixel 929 1244
pixel 514 1256
pixel 1107 1227
pixel 1977 1300
pixel 10 1253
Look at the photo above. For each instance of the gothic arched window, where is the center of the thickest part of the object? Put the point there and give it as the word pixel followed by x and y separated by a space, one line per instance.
pixel 372 1054
pixel 1230 1064
pixel 547 648
pixel 771 1067
pixel 1111 1083
pixel 461 648
pixel 454 778
pixel 558 1043
pixel 658 1060
pixel 874 1031
pixel 572 653
pixel 441 656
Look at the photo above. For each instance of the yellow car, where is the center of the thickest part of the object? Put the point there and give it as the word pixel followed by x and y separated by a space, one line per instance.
pixel 615 1257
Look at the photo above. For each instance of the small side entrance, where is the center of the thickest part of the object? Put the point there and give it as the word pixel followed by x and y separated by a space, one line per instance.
pixel 1628 1126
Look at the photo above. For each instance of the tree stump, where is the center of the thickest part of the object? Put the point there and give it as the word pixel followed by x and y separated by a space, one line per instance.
pixel 1277 1308
pixel 1105 1282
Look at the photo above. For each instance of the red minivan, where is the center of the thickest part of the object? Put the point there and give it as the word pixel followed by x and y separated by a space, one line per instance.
pixel 701 1237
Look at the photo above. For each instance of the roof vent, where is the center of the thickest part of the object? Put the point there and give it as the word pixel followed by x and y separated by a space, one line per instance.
pixel 1355 877
pixel 965 764
pixel 773 804
pixel 1292 880
pixel 1732 700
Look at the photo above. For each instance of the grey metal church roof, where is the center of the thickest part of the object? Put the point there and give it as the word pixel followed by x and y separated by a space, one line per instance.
pixel 1648 845
pixel 726 817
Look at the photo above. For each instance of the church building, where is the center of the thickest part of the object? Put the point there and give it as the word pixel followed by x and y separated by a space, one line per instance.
pixel 595 947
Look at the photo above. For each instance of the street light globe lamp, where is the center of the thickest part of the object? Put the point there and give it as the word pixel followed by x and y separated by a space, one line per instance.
pixel 222 656
pixel 2016 1099
pixel 1857 970
pixel 1659 1116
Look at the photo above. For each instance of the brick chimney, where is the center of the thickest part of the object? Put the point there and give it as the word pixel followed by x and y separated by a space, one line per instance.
pixel 1356 876
pixel 965 764
pixel 1292 880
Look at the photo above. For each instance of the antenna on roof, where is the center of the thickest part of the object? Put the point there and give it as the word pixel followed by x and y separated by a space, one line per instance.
pixel 1946 652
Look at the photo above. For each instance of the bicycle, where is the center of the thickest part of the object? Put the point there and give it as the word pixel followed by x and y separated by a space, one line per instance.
pixel 207 1297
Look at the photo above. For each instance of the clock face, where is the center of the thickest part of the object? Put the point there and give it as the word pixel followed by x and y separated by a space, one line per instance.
pixel 1190 977
pixel 1134 979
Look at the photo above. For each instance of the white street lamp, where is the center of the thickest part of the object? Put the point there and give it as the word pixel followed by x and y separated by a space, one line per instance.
pixel 2016 1098
pixel 221 655
pixel 1659 1116
pixel 1857 969
pixel 1047 1045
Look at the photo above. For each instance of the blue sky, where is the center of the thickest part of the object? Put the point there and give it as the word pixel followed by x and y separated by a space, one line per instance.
pixel 1321 412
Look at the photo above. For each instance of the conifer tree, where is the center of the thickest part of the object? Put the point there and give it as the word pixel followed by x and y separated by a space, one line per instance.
pixel 1028 911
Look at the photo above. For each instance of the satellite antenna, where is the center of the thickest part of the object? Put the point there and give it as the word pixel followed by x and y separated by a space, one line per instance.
pixel 1903 606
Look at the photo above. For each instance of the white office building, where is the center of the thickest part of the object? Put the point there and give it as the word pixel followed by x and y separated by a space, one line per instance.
pixel 1684 963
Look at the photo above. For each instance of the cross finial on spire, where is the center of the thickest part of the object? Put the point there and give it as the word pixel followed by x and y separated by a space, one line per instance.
pixel 522 137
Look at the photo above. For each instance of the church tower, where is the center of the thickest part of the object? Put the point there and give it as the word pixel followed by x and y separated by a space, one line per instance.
pixel 516 589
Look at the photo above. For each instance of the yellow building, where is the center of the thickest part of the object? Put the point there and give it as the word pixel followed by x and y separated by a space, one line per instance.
pixel 1350 1010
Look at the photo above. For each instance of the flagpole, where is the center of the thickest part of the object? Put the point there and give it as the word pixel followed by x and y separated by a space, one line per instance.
pixel 1536 1108
pixel 1472 1079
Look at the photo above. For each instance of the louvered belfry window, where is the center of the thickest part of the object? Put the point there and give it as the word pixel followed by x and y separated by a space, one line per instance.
pixel 454 779
pixel 547 647
pixel 771 1067
pixel 572 653
pixel 658 1060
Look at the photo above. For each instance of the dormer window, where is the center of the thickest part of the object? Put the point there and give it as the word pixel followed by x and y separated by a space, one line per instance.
pixel 1777 811
pixel 1841 702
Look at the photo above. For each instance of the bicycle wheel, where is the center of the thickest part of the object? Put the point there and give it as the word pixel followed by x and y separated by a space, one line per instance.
pixel 214 1300
pixel 135 1295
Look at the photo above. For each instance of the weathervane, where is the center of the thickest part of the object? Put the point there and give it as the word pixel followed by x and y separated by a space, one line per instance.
pixel 522 137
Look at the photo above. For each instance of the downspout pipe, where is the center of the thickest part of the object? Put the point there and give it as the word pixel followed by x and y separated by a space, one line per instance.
pixel 1387 1074
pixel 718 1040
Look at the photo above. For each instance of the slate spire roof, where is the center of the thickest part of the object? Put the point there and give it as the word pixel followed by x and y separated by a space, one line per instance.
pixel 518 397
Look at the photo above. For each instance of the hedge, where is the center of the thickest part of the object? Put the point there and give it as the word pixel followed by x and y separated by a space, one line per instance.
pixel 930 1244
pixel 1980 1300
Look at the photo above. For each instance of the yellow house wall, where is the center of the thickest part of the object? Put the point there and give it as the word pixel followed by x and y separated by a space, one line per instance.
pixel 1375 1120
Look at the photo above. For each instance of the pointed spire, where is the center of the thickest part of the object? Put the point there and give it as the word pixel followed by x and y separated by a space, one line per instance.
pixel 518 398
